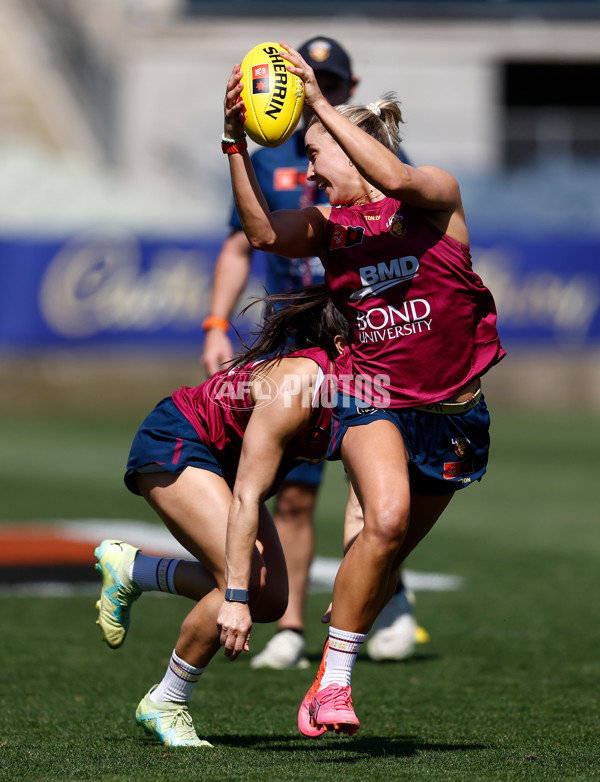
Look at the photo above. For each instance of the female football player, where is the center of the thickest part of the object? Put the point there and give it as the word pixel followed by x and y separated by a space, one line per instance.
pixel 241 432
pixel 395 247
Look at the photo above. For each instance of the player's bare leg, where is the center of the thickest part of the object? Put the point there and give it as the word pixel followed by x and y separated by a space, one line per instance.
pixel 377 463
pixel 194 505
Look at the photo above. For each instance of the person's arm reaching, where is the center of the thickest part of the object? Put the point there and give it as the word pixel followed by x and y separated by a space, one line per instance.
pixel 230 277
pixel 270 428
pixel 290 233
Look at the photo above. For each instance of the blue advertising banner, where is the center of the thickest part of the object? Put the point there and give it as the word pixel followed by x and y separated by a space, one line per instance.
pixel 106 290
pixel 547 288
pixel 118 289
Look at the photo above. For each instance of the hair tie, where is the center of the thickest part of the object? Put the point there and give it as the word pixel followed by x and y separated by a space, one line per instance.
pixel 374 109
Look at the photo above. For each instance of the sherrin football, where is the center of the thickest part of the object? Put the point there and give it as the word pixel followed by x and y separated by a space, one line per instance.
pixel 273 97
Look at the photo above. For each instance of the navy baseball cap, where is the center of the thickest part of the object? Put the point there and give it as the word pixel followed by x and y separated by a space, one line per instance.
pixel 325 54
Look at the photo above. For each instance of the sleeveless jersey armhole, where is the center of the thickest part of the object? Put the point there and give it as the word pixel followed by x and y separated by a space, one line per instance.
pixel 317 389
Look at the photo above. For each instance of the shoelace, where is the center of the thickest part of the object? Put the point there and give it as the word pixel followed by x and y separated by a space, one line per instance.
pixel 340 697
pixel 182 718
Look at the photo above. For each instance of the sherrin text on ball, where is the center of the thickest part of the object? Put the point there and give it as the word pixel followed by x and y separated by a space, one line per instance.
pixel 273 97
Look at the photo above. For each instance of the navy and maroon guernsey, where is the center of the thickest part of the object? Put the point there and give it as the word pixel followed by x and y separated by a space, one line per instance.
pixel 220 408
pixel 418 312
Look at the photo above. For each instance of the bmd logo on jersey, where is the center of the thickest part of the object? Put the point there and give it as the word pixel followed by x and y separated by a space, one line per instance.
pixel 385 275
pixel 346 236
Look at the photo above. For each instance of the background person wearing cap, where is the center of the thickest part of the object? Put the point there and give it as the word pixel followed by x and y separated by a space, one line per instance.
pixel 281 172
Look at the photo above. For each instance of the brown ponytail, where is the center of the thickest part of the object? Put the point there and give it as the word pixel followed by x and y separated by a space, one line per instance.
pixel 301 319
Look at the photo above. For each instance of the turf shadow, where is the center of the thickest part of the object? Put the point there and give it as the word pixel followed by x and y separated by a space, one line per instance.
pixel 352 748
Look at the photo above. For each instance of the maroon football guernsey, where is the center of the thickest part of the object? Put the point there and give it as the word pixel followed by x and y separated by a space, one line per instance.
pixel 418 313
pixel 220 408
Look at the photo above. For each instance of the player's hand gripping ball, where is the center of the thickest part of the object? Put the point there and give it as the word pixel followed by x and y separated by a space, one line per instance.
pixel 273 97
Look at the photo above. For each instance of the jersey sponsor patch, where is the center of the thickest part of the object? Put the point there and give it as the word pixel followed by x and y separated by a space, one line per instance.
pixel 385 275
pixel 453 470
pixel 346 236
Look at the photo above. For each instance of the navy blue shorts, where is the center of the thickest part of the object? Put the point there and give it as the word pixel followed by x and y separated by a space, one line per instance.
pixel 447 450
pixel 306 473
pixel 166 441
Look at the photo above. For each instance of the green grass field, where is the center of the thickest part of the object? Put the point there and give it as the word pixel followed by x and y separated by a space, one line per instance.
pixel 507 688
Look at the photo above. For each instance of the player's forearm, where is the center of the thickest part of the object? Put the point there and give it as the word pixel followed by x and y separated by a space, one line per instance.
pixel 230 276
pixel 242 531
pixel 252 207
pixel 255 476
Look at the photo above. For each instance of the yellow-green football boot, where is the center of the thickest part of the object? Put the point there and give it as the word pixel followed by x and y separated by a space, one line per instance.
pixel 170 723
pixel 118 590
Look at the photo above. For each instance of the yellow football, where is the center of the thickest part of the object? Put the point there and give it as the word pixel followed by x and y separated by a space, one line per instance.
pixel 273 97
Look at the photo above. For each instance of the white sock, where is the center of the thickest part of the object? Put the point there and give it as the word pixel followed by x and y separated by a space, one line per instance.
pixel 154 574
pixel 343 650
pixel 179 682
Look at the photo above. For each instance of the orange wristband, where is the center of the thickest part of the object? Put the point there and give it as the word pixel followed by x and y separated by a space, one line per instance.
pixel 232 148
pixel 215 322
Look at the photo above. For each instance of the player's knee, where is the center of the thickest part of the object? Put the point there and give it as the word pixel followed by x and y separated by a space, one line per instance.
pixel 386 526
pixel 268 591
pixel 270 605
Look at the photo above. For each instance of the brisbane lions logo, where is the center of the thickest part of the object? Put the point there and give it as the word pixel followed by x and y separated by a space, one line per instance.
pixel 461 446
pixel 397 227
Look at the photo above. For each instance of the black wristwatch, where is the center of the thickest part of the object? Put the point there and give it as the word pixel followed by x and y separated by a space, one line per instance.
pixel 237 595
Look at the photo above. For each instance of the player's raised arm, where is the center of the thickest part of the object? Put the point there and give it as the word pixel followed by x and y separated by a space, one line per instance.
pixel 427 187
pixel 292 233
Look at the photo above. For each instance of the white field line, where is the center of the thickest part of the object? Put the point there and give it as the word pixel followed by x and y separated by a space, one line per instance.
pixel 158 541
